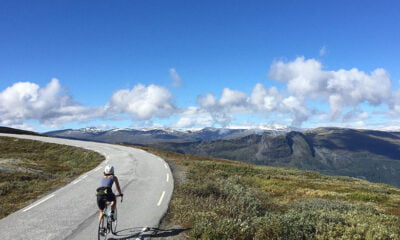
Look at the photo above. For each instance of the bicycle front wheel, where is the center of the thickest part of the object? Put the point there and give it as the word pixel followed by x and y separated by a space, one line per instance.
pixel 102 231
pixel 114 223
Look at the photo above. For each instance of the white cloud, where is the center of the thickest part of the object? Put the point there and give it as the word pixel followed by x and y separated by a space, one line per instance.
pixel 222 110
pixel 262 101
pixel 303 78
pixel 308 90
pixel 177 80
pixel 194 117
pixel 307 80
pixel 265 100
pixel 142 102
pixel 49 105
pixel 297 109
pixel 207 101
pixel 232 98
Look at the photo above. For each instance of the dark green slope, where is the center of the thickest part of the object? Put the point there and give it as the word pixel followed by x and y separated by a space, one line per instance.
pixel 371 155
pixel 17 131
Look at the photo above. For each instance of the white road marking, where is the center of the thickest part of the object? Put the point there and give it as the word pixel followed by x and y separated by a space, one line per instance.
pixel 167 177
pixel 42 201
pixel 165 165
pixel 79 179
pixel 161 198
pixel 97 169
pixel 144 229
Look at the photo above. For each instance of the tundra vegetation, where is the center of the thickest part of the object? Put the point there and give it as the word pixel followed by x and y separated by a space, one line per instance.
pixel 220 199
pixel 29 169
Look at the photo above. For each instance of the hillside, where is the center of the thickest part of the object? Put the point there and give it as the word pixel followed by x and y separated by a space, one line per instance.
pixel 370 155
pixel 221 199
pixel 17 131
pixel 29 169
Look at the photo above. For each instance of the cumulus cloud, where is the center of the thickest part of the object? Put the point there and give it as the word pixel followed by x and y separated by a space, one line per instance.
pixel 194 117
pixel 305 82
pixel 48 105
pixel 306 79
pixel 222 110
pixel 177 80
pixel 307 91
pixel 261 101
pixel 142 102
pixel 265 100
pixel 52 106
pixel 268 101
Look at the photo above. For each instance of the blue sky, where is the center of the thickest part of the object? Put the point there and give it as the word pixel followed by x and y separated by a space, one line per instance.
pixel 191 64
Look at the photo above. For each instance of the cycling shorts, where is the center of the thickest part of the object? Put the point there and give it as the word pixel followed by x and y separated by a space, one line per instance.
pixel 102 198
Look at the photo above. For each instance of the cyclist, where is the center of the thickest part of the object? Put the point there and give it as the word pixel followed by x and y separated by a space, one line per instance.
pixel 104 192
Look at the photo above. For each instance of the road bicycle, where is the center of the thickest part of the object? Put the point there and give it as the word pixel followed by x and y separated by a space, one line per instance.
pixel 108 222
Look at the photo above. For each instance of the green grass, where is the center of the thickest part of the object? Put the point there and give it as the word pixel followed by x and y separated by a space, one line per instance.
pixel 29 169
pixel 219 199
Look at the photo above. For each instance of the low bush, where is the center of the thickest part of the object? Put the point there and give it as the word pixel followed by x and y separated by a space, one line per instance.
pixel 229 200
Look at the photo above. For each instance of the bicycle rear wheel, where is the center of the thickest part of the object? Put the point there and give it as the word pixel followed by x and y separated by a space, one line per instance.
pixel 102 231
pixel 114 223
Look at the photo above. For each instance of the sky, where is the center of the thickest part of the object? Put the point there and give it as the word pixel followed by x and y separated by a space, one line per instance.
pixel 191 64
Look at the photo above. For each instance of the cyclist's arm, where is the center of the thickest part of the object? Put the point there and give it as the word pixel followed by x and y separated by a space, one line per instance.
pixel 117 185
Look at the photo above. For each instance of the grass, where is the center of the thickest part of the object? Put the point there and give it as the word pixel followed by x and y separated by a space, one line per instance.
pixel 220 199
pixel 29 169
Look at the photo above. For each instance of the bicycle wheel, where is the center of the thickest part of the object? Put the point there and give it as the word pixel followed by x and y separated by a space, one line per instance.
pixel 102 231
pixel 114 223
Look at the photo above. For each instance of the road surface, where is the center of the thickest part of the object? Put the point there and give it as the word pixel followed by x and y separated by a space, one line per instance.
pixel 71 211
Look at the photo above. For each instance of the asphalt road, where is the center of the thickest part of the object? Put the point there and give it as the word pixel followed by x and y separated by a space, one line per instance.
pixel 71 211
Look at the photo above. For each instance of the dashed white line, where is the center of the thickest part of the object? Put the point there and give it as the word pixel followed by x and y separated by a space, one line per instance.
pixel 167 177
pixel 97 169
pixel 42 201
pixel 165 165
pixel 161 198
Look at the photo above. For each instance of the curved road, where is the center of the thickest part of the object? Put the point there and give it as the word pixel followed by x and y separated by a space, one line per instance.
pixel 71 211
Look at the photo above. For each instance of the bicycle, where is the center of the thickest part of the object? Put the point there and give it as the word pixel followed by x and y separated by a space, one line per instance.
pixel 108 222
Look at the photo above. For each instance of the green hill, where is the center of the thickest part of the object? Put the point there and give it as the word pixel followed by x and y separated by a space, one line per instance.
pixel 17 131
pixel 221 199
pixel 29 169
pixel 370 155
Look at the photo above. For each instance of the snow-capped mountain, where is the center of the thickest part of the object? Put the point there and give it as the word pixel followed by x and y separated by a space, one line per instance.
pixel 146 136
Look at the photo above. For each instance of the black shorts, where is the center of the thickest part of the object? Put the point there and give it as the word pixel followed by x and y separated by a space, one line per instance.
pixel 104 195
pixel 102 199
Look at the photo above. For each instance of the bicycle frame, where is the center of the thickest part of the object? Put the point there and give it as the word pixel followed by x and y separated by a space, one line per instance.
pixel 106 223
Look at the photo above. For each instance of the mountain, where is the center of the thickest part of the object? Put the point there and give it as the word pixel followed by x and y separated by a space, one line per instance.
pixel 149 136
pixel 366 154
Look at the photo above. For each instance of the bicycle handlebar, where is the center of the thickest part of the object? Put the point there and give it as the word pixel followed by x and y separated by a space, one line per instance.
pixel 121 196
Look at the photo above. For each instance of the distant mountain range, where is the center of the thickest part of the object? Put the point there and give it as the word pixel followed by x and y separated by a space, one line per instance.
pixel 164 135
pixel 367 154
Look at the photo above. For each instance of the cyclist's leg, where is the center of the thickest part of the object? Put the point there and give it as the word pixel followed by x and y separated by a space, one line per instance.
pixel 101 203
pixel 113 201
pixel 100 214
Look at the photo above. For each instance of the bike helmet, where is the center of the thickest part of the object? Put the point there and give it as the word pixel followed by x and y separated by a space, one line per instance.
pixel 109 169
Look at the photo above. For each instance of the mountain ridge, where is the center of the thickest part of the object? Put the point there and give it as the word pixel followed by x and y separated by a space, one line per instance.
pixel 157 135
pixel 366 154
